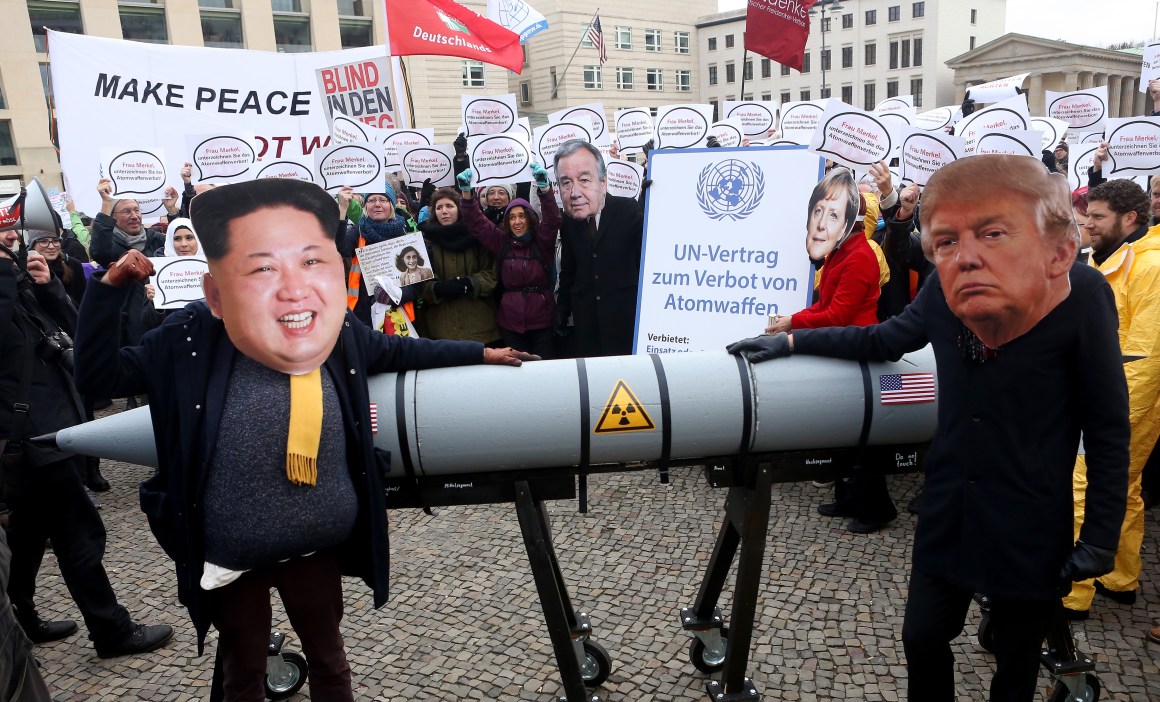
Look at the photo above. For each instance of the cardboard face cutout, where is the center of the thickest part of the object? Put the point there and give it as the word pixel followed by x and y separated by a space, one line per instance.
pixel 833 211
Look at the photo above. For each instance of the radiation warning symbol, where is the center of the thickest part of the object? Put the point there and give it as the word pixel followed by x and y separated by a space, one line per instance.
pixel 623 412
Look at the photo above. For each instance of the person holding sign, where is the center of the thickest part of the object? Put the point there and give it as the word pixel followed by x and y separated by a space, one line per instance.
pixel 268 475
pixel 180 240
pixel 1028 358
pixel 382 220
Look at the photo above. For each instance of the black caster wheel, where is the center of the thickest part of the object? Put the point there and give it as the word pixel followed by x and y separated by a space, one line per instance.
pixel 986 633
pixel 703 660
pixel 1092 694
pixel 596 666
pixel 288 678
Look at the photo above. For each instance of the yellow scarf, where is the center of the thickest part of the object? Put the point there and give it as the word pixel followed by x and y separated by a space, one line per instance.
pixel 305 428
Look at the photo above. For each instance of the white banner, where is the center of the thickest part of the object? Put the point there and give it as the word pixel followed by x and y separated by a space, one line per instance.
pixel 1017 142
pixel 634 128
pixel 799 121
pixel 1004 116
pixel 221 158
pixel 518 16
pixel 853 137
pixel 434 162
pixel 358 165
pixel 396 141
pixel 134 172
pixel 547 139
pixel 389 259
pixel 345 130
pixel 361 90
pixel 499 159
pixel 1083 110
pixel 1079 160
pixel 494 114
pixel 997 90
pixel 700 292
pixel 177 280
pixel 895 104
pixel 583 114
pixel 111 91
pixel 923 152
pixel 1150 67
pixel 729 132
pixel 1134 147
pixel 624 178
pixel 757 117
pixel 682 126
pixel 1054 130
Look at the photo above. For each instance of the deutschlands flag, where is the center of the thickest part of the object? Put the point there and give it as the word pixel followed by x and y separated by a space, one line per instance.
pixel 518 16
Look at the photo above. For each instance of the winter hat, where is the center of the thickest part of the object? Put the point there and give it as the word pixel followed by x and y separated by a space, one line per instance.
pixel 510 190
pixel 1061 145
pixel 34 235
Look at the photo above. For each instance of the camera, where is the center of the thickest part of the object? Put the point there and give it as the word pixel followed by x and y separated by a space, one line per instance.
pixel 57 347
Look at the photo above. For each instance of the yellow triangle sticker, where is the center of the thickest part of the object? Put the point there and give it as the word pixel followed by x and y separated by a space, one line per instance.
pixel 623 413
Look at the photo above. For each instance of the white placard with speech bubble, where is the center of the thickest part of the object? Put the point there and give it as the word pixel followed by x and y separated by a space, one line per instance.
pixel 1083 110
pixel 493 114
pixel 1054 130
pixel 1079 160
pixel 1008 115
pixel 1017 142
pixel 358 165
pixel 525 126
pixel 285 168
pixel 729 132
pixel 384 260
pixel 398 140
pixel 344 130
pixel 582 114
pixel 853 137
pixel 895 119
pixel 894 104
pixel 499 159
pixel 134 172
pixel 1134 147
pixel 624 178
pixel 434 162
pixel 923 152
pixel 682 126
pixel 634 128
pixel 548 138
pixel 937 119
pixel 177 280
pixel 756 117
pixel 997 90
pixel 1091 138
pixel 799 121
pixel 220 158
pixel 1150 67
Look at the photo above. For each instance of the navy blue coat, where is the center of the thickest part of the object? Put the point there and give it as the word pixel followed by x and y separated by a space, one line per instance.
pixel 184 365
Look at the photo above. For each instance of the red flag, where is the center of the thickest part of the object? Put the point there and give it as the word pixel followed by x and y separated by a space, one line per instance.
pixel 778 29
pixel 446 28
pixel 10 213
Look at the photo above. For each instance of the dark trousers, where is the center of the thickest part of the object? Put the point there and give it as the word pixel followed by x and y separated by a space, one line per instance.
pixel 50 502
pixel 541 342
pixel 935 613
pixel 864 495
pixel 311 592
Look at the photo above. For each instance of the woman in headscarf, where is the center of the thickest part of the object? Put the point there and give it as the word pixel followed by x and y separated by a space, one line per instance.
pixel 180 240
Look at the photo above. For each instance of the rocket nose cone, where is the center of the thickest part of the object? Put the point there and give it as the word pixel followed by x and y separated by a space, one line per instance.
pixel 46 441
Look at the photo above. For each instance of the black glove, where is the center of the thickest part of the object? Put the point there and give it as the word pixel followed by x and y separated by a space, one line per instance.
pixel 460 144
pixel 425 194
pixel 452 289
pixel 762 348
pixel 1086 561
pixel 562 328
pixel 968 106
pixel 712 143
pixel 649 146
pixel 644 184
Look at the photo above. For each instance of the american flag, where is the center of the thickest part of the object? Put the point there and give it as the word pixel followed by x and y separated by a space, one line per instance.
pixel 596 36
pixel 906 388
pixel 374 418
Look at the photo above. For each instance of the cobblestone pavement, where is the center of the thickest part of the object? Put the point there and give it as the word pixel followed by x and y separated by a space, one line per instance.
pixel 463 622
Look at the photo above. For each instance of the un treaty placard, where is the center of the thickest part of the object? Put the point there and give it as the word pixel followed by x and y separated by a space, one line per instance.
pixel 724 244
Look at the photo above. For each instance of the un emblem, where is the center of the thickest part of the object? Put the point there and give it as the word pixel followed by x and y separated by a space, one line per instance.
pixel 731 189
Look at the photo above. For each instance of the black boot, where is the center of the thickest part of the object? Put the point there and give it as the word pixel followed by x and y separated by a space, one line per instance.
pixel 93 478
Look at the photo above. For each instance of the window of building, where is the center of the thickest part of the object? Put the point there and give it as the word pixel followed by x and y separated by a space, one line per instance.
pixel 806 63
pixel 825 24
pixel 624 37
pixel 894 54
pixel 286 5
pixel 767 96
pixel 804 94
pixel 824 93
pixel 712 43
pixel 871 17
pixel 3 101
pixel 592 78
pixel 292 34
pixel 905 53
pixel 766 68
pixel 552 80
pixel 712 75
pixel 974 16
pixel 918 9
pixel 216 4
pixel 524 51
pixel 748 75
pixel 868 98
pixel 356 32
pixel 473 74
pixel 728 41
pixel 918 51
pixel 652 40
pixel 684 80
pixel 848 21
pixel 826 60
pixel 847 57
pixel 352 8
pixel 7 147
pixel 525 92
pixel 144 24
pixel 61 16
pixel 972 43
pixel 584 40
pixel 223 29
pixel 624 78
pixel 891 88
pixel 916 91
pixel 848 94
pixel 681 42
pixel 654 79
pixel 894 13
pixel 786 97
pixel 716 109
pixel 785 70
pixel 871 54
pixel 730 73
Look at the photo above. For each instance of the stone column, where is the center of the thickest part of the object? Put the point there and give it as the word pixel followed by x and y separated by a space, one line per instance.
pixel 1035 96
pixel 1127 95
pixel 1085 80
pixel 1113 83
pixel 1070 80
pixel 1099 79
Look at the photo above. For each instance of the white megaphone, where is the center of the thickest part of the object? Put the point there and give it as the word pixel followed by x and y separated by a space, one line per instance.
pixel 31 209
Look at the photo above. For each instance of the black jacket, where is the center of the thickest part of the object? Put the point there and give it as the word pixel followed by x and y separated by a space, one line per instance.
pixel 598 282
pixel 185 366
pixel 902 247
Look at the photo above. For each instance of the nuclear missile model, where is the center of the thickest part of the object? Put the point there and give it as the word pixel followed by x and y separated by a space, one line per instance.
pixel 749 425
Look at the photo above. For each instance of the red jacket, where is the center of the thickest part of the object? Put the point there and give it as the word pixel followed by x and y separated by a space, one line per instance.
pixel 848 293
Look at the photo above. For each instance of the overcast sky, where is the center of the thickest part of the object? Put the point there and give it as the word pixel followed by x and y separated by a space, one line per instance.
pixel 1089 22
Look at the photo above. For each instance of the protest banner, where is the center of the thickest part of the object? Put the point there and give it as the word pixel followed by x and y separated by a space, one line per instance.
pixel 1150 67
pixel 386 259
pixel 499 159
pixel 937 119
pixel 1083 110
pixel 361 90
pixel 59 202
pixel 756 117
pixel 634 128
pixel 344 130
pixel 799 121
pixel 1010 114
pixel 399 140
pixel 729 132
pixel 518 16
pixel 220 158
pixel 525 127
pixel 682 126
pixel 997 90
pixel 582 114
pixel 1054 130
pixel 923 152
pixel 434 162
pixel 904 103
pixel 177 280
pixel 287 169
pixel 698 292
pixel 548 138
pixel 1091 137
pixel 1079 160
pixel 1017 142
pixel 1134 146
pixel 495 114
pixel 134 172
pixel 624 178
pixel 897 117
pixel 853 137
pixel 112 91
pixel 357 165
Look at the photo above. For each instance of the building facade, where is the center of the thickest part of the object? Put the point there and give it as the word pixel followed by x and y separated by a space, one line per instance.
pixel 861 53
